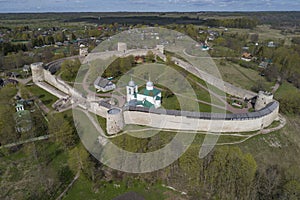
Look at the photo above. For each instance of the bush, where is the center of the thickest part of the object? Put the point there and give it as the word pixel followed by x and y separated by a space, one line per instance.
pixel 65 174
pixel 290 103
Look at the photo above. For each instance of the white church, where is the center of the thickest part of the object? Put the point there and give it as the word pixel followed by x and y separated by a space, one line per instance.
pixel 148 97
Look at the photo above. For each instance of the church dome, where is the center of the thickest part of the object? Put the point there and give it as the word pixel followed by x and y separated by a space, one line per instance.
pixel 131 83
pixel 149 85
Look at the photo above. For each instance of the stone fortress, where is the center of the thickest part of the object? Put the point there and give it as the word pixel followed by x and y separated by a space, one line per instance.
pixel 266 108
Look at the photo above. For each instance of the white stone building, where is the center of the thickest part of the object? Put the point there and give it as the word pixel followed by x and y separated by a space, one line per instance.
pixel 147 97
pixel 104 85
pixel 83 50
pixel 122 47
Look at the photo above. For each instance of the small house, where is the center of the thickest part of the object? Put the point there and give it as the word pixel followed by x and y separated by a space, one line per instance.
pixel 271 44
pixel 13 74
pixel 263 65
pixel 103 85
pixel 26 68
pixel 22 118
pixel 139 59
pixel 11 81
pixel 83 50
pixel 205 47
pixel 247 57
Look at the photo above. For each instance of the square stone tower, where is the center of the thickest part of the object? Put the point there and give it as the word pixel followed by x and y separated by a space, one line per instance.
pixel 37 72
pixel 122 47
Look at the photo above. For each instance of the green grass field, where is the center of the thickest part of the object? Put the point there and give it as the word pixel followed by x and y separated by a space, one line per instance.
pixel 285 89
pixel 83 189
pixel 47 98
pixel 241 76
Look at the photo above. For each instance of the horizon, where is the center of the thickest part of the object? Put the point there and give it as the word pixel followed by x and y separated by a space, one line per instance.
pixel 59 6
pixel 237 11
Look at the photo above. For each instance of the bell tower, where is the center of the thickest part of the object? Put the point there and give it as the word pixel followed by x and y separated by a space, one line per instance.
pixel 131 91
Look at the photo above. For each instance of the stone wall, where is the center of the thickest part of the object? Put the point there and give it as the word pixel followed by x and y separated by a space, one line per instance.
pixel 178 122
pixel 53 80
pixel 212 80
pixel 98 109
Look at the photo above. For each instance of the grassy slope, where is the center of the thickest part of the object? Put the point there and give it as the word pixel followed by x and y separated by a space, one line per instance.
pixel 240 76
pixel 82 189
pixel 288 138
pixel 47 98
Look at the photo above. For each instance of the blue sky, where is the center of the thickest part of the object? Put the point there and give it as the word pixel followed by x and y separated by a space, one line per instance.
pixel 146 5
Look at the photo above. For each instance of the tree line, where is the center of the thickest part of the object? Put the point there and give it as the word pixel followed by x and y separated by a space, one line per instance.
pixel 242 22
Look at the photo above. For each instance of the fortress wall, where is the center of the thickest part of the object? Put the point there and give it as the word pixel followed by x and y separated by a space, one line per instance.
pixel 220 84
pixel 109 54
pixel 268 120
pixel 51 90
pixel 98 110
pixel 51 79
pixel 55 82
pixel 185 123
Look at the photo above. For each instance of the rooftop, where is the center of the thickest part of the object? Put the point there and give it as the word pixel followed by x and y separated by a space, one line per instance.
pixel 102 82
pixel 151 93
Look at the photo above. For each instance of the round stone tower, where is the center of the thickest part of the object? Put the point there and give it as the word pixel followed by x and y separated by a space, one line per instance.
pixel 263 99
pixel 37 72
pixel 114 121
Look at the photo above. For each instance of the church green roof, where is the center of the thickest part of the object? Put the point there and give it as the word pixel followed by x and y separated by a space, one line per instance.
pixel 145 104
pixel 150 93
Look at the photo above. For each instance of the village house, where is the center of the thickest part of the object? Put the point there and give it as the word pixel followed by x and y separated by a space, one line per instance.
pixel 271 44
pixel 247 57
pixel 26 68
pixel 263 65
pixel 83 50
pixel 139 59
pixel 22 118
pixel 104 85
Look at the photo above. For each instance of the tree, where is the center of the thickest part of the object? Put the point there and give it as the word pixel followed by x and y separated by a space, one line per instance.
pixel 259 86
pixel 7 122
pixel 291 190
pixel 73 37
pixel 65 175
pixel 150 57
pixel 169 60
pixel 290 103
pixel 49 40
pixel 64 133
pixel 228 173
pixel 271 73
pixel 70 68
pixel 60 37
pixel 269 182
pixel 220 41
